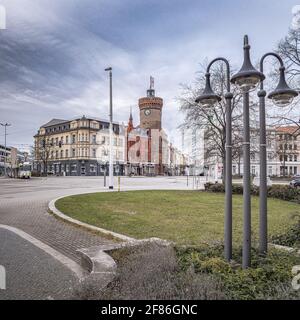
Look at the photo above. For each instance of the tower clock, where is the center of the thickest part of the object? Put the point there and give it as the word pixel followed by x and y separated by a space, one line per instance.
pixel 151 109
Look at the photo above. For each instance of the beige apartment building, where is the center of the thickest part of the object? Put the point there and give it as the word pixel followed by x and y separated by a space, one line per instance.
pixel 77 147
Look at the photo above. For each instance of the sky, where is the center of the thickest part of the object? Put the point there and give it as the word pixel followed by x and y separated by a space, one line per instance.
pixel 53 54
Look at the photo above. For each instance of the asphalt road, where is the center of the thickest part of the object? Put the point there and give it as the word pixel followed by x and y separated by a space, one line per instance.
pixel 31 273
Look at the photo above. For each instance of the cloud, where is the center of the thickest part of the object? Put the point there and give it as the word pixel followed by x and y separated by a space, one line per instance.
pixel 53 53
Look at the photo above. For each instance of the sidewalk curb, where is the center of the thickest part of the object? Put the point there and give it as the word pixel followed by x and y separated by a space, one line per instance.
pixel 59 214
pixel 285 248
pixel 67 262
pixel 95 259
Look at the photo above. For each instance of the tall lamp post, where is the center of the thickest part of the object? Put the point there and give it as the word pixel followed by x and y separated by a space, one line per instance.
pixel 247 79
pixel 282 96
pixel 207 100
pixel 111 168
pixel 5 125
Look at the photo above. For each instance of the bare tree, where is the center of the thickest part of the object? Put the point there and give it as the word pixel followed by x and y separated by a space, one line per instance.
pixel 42 152
pixel 289 49
pixel 211 119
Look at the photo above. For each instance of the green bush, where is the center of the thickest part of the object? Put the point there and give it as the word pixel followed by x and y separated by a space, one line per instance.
pixel 268 278
pixel 276 191
pixel 291 238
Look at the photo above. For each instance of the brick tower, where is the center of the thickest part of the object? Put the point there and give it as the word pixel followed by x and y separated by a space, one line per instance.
pixel 150 109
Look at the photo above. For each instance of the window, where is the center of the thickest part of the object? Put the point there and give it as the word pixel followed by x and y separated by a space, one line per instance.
pixel 94 153
pixel 233 169
pixel 295 158
pixel 285 158
pixel 92 168
pixel 67 139
pixel 94 139
pixel 281 158
pixel 295 170
pixel 73 138
pixel 103 140
pixel 62 140
pixel 73 153
pixel 290 146
pixel 270 171
pixel 281 147
pixel 56 154
pixel 62 153
pixel 295 147
pixel 270 156
pixel 121 142
pixel 290 158
pixel 67 153
pixel 252 156
pixel 253 170
pixel 73 167
pixel 115 142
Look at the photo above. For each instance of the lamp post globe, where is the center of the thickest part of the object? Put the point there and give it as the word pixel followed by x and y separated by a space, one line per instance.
pixel 283 95
pixel 248 77
pixel 208 98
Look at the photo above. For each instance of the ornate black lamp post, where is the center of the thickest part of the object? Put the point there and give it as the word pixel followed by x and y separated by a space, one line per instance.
pixel 282 96
pixel 208 99
pixel 247 79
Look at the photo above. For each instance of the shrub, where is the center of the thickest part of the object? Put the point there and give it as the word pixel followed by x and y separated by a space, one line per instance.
pixel 268 278
pixel 152 271
pixel 276 191
pixel 291 238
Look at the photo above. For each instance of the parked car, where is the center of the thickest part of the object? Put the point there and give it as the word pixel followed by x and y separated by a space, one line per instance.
pixel 295 183
pixel 296 177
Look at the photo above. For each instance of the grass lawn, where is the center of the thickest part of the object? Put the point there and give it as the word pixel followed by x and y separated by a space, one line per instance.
pixel 186 217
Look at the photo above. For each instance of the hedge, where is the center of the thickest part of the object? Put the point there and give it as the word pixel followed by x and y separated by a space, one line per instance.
pixel 281 192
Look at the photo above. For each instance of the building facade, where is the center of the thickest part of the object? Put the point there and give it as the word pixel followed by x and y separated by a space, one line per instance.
pixel 283 154
pixel 81 146
pixel 77 147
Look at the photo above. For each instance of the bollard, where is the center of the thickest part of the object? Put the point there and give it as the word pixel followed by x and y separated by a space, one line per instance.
pixel 119 183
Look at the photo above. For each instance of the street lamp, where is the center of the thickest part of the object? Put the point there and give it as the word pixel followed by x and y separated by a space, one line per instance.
pixel 5 125
pixel 111 168
pixel 208 99
pixel 282 96
pixel 247 79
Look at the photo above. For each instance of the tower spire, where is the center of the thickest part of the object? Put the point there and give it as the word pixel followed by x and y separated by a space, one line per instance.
pixel 130 122
pixel 151 91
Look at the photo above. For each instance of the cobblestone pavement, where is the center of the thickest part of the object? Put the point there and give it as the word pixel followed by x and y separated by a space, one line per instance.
pixel 31 273
pixel 23 204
